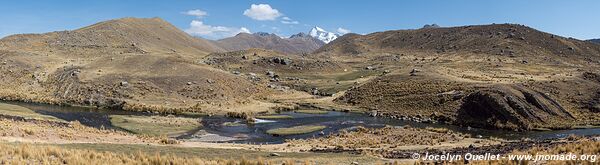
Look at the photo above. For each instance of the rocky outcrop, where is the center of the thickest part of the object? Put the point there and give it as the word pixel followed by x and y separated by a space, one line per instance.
pixel 511 107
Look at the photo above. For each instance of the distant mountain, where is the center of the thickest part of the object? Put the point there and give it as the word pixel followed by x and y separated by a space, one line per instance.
pixel 430 26
pixel 296 44
pixel 595 40
pixel 322 35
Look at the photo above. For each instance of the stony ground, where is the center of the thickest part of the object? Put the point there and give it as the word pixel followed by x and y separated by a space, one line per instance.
pixel 383 142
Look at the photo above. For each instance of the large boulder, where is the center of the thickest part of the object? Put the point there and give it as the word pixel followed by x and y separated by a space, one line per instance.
pixel 511 107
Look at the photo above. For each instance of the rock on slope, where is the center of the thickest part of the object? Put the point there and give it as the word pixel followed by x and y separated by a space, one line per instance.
pixel 126 63
pixel 296 44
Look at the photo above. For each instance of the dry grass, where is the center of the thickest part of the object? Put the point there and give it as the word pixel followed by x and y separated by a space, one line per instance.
pixel 30 154
pixel 12 153
pixel 438 130
pixel 209 153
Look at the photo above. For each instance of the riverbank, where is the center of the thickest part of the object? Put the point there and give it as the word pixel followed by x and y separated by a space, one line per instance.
pixel 347 137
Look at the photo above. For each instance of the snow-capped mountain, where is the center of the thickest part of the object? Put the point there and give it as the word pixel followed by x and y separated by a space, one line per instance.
pixel 322 35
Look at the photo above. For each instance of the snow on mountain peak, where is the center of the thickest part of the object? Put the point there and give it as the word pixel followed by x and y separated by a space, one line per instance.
pixel 319 29
pixel 322 35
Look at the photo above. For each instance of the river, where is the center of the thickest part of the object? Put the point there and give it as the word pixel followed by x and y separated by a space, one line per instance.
pixel 256 133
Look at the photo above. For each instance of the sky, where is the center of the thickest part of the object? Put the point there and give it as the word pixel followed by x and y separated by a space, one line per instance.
pixel 216 19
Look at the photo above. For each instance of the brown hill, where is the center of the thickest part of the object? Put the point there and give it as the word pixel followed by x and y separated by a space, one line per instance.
pixel 126 35
pixel 297 44
pixel 496 39
pixel 130 63
pixel 497 76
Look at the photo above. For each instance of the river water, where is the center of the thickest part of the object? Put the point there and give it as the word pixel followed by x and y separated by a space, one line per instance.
pixel 256 133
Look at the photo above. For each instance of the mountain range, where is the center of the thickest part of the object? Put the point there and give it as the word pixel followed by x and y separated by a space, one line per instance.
pixel 300 43
pixel 505 76
pixel 594 40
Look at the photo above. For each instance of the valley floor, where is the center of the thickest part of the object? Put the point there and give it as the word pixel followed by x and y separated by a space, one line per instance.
pixel 43 139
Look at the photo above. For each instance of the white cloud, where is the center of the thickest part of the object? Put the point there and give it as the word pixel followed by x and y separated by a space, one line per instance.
pixel 198 28
pixel 262 12
pixel 342 30
pixel 197 13
pixel 244 30
pixel 290 22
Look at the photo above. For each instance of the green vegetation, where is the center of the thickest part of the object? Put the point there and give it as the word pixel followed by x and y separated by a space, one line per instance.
pixel 194 114
pixel 232 124
pixel 19 111
pixel 334 82
pixel 155 125
pixel 356 75
pixel 297 130
pixel 274 117
pixel 311 111
pixel 343 76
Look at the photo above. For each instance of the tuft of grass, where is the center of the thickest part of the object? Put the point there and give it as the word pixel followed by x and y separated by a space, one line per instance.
pixel 29 131
pixel 155 125
pixel 232 124
pixel 274 117
pixel 297 130
pixel 311 111
pixel 167 140
pixel 19 111
pixel 438 130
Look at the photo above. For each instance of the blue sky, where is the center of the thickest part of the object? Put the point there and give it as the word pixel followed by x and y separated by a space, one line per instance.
pixel 579 19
